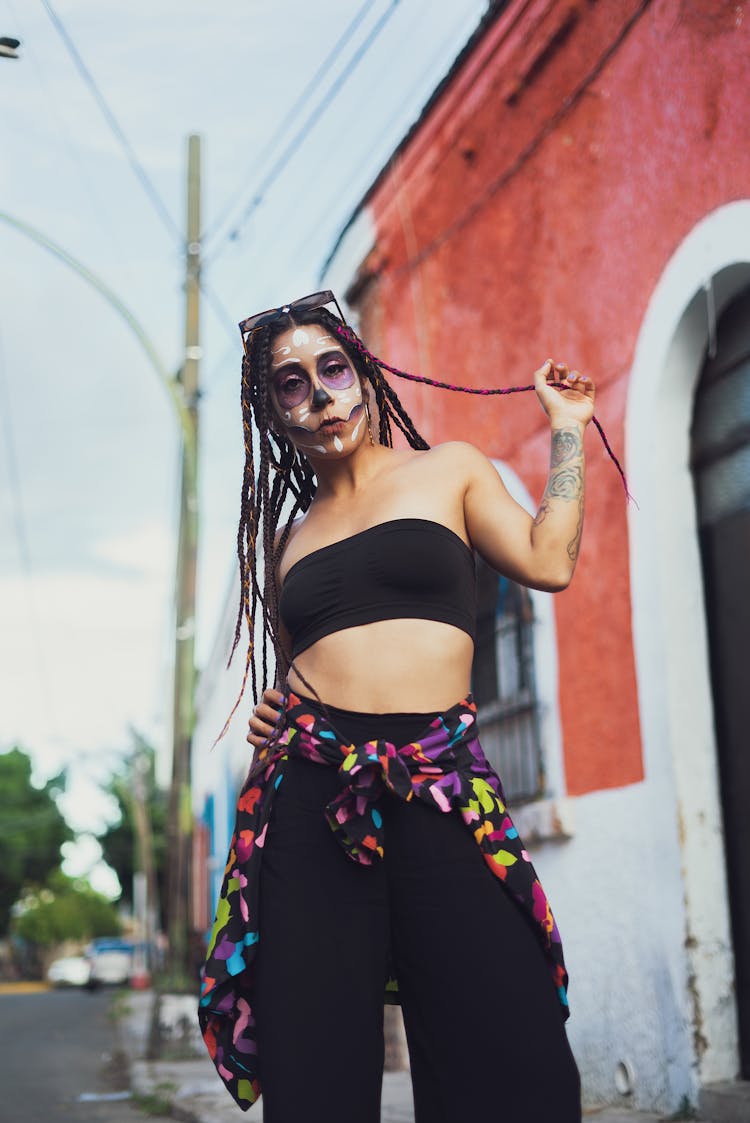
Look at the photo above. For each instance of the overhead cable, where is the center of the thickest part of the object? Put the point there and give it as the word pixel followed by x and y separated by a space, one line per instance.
pixel 135 163
pixel 220 311
pixel 291 116
pixel 313 116
pixel 114 125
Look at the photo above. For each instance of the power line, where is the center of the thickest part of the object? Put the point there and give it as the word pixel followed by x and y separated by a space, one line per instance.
pixel 67 146
pixel 213 299
pixel 291 115
pixel 114 125
pixel 452 41
pixel 313 116
pixel 372 174
pixel 211 296
pixel 220 311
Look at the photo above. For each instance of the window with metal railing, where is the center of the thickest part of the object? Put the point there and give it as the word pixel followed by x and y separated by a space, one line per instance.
pixel 503 684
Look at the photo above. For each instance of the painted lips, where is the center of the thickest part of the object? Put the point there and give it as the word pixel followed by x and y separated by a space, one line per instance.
pixel 332 427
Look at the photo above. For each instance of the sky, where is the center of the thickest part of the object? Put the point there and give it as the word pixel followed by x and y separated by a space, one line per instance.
pixel 88 438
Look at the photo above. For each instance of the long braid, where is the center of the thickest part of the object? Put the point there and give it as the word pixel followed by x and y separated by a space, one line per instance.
pixel 265 510
pixel 246 538
pixel 347 334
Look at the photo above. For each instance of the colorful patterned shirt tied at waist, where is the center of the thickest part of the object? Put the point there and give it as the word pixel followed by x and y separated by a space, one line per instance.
pixel 445 768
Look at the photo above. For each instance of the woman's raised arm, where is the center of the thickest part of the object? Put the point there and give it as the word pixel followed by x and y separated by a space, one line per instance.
pixel 542 551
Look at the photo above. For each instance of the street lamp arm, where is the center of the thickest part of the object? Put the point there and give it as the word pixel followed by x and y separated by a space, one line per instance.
pixel 169 381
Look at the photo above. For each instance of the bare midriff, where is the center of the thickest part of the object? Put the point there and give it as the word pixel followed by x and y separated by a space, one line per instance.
pixel 389 666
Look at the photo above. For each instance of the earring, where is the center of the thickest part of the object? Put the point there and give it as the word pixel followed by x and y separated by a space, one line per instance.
pixel 369 421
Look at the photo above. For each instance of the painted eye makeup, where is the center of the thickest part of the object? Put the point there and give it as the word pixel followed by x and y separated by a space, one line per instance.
pixel 291 389
pixel 336 373
pixel 293 384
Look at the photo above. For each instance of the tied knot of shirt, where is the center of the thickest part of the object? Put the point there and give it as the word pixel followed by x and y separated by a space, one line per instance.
pixel 434 769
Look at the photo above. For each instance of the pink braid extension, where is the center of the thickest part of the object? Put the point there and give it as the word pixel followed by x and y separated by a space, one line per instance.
pixel 354 341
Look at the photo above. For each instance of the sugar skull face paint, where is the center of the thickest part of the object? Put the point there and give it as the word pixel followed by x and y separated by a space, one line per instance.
pixel 316 391
pixel 293 384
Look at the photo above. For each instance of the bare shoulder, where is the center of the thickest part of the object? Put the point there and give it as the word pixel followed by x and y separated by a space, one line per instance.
pixel 460 460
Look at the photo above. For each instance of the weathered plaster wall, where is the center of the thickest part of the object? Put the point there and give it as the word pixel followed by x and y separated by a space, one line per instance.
pixel 513 227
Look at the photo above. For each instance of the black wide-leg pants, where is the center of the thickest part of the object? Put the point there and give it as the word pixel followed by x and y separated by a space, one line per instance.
pixel 484 1026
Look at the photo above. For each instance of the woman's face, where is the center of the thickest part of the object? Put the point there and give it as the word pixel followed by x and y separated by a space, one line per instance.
pixel 316 392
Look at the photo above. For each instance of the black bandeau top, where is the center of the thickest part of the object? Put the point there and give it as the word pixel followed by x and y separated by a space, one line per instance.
pixel 403 568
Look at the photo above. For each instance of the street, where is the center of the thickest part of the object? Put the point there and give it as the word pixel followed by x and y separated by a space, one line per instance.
pixel 58 1046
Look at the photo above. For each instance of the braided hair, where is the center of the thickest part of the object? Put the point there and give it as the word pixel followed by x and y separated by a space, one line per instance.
pixel 285 478
pixel 347 334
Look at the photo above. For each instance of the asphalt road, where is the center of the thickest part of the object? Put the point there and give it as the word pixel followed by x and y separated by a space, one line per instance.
pixel 56 1046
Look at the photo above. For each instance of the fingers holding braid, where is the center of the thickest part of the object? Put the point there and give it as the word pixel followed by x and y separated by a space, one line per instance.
pixel 348 335
pixel 566 396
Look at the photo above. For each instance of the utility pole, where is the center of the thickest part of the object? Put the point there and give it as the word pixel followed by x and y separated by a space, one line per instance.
pixel 179 826
pixel 145 886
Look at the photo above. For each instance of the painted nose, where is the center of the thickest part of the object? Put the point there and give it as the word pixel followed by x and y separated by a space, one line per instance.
pixel 321 398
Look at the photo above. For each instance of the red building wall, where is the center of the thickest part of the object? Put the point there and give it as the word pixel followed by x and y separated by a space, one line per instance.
pixel 530 214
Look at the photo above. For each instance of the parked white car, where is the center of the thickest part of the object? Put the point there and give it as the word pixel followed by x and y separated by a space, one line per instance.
pixel 70 971
pixel 111 962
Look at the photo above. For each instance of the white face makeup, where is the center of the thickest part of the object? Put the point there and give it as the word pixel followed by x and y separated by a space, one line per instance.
pixel 316 391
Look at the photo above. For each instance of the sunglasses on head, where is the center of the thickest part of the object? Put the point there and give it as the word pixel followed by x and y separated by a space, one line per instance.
pixel 303 304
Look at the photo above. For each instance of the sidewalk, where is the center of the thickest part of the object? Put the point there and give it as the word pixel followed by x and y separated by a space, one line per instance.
pixel 194 1092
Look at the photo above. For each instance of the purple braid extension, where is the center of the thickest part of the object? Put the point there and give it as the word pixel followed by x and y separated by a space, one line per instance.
pixel 347 334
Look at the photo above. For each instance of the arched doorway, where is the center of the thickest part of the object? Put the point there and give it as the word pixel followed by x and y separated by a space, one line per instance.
pixel 720 460
pixel 670 638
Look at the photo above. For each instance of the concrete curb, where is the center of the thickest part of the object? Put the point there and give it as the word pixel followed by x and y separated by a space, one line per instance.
pixel 196 1094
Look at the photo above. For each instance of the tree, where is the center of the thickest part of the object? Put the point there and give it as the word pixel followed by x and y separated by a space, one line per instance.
pixel 32 830
pixel 137 841
pixel 65 908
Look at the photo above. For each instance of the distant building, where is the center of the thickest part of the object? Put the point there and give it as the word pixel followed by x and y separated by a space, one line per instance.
pixel 579 187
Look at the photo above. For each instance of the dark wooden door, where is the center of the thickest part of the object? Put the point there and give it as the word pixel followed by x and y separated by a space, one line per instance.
pixel 721 473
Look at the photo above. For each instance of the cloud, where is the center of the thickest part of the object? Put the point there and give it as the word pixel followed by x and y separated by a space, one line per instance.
pixel 144 553
pixel 90 653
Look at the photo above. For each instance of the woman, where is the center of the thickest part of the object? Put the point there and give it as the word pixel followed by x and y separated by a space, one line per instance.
pixel 368 600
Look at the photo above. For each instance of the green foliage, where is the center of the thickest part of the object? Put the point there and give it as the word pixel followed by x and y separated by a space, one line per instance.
pixel 32 829
pixel 119 842
pixel 684 1111
pixel 157 1102
pixel 65 909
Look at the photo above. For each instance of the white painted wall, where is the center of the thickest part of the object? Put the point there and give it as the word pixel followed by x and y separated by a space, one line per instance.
pixel 668 612
pixel 615 889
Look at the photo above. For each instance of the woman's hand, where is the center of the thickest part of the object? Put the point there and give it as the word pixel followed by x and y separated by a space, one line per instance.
pixel 265 717
pixel 574 404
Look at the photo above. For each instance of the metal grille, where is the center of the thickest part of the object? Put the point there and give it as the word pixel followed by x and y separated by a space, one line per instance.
pixel 503 683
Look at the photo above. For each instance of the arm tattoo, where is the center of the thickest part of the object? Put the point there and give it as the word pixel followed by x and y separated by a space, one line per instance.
pixel 566 443
pixel 575 543
pixel 565 481
pixel 542 512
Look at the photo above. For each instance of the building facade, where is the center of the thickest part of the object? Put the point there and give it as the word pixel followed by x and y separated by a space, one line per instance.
pixel 579 187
